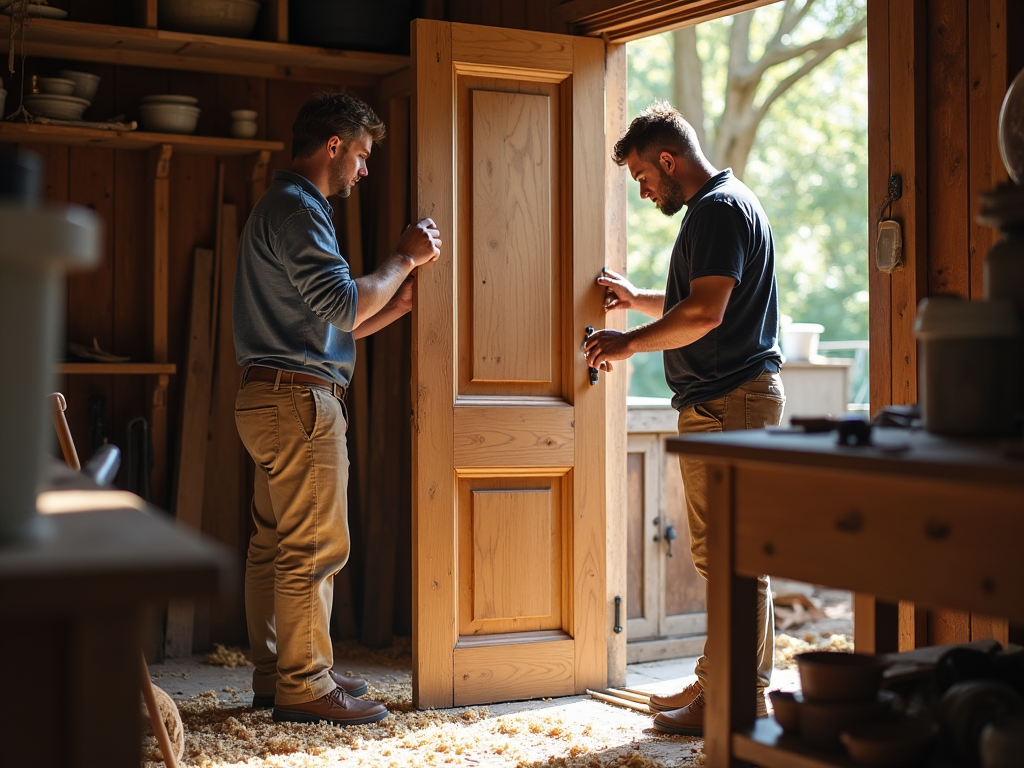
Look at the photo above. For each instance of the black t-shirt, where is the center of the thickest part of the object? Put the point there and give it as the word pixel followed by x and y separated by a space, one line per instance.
pixel 725 232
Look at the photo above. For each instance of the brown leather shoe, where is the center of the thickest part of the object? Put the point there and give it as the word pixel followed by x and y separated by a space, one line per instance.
pixel 353 686
pixel 689 720
pixel 676 700
pixel 336 707
pixel 685 721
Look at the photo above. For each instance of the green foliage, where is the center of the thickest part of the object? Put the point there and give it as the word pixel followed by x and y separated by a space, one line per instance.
pixel 808 166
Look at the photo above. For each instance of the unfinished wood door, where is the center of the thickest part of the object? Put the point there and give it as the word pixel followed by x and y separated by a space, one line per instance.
pixel 509 444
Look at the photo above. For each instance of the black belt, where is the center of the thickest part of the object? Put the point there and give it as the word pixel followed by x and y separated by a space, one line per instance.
pixel 278 377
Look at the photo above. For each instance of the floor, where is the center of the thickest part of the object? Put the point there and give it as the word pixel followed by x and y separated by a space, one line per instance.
pixel 185 677
pixel 213 694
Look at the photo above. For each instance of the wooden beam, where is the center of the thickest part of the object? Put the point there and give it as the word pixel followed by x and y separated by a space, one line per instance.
pixel 987 81
pixel 225 502
pixel 879 169
pixel 619 21
pixel 195 410
pixel 389 494
pixel 948 269
pixel 909 157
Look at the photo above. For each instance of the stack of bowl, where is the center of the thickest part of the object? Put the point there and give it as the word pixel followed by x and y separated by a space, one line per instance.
pixel 169 113
pixel 86 83
pixel 57 98
pixel 840 690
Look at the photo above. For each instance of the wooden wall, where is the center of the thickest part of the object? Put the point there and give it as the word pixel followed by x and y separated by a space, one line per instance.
pixel 111 304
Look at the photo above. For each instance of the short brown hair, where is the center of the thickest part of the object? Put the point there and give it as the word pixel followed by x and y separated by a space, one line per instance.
pixel 327 114
pixel 659 127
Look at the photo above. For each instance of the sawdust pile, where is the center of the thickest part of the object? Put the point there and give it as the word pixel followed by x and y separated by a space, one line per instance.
pixel 584 734
pixel 223 656
pixel 570 733
pixel 786 646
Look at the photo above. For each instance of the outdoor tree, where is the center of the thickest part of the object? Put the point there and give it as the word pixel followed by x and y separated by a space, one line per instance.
pixel 778 94
pixel 756 77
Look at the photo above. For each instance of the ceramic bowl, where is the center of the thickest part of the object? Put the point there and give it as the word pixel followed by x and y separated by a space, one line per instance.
pixel 829 676
pixel 59 86
pixel 786 705
pixel 244 129
pixel 168 118
pixel 225 18
pixel 821 723
pixel 890 745
pixel 171 98
pixel 55 106
pixel 243 114
pixel 86 83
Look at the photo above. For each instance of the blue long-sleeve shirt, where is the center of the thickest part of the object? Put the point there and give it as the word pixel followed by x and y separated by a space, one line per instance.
pixel 294 298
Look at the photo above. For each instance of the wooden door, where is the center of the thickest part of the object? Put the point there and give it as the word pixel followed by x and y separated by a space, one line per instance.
pixel 510 437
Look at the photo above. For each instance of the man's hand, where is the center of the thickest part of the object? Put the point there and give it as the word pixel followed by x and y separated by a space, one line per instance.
pixel 605 346
pixel 401 302
pixel 619 293
pixel 421 242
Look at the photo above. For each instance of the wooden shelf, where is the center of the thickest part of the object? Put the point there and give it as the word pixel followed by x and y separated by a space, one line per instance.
pixel 107 369
pixel 156 48
pixel 767 746
pixel 100 137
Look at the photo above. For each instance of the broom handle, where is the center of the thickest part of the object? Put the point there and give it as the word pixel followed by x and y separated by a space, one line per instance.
pixel 154 717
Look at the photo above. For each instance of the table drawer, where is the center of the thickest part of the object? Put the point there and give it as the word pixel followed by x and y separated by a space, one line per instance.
pixel 936 542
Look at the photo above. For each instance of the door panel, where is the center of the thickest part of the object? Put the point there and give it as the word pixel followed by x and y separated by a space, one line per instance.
pixel 506 523
pixel 511 190
pixel 509 448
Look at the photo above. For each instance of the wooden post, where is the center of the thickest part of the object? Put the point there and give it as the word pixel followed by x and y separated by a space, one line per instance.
pixel 159 240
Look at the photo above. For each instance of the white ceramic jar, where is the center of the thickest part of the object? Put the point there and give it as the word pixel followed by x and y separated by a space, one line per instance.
pixel 243 123
pixel 967 368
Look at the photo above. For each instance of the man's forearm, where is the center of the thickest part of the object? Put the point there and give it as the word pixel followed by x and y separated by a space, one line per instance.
pixel 649 302
pixel 376 289
pixel 678 328
pixel 382 319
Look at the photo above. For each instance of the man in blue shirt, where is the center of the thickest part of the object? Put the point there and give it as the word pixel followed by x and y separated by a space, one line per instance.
pixel 717 323
pixel 297 312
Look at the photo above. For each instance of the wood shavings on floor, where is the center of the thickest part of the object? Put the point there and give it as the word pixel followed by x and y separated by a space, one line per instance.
pixel 223 656
pixel 787 646
pixel 559 733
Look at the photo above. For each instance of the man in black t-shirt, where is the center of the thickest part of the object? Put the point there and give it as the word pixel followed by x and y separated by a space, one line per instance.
pixel 717 323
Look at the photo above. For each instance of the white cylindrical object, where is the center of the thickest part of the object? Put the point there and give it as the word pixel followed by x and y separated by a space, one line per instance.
pixel 37 247
pixel 243 123
pixel 967 365
pixel 799 341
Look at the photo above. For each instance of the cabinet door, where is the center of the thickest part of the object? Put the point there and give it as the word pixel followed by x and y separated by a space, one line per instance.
pixel 509 444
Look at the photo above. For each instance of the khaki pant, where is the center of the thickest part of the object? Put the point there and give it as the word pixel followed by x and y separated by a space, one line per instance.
pixel 296 436
pixel 754 405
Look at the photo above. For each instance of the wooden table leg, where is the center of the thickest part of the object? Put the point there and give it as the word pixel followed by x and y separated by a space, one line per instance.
pixel 732 639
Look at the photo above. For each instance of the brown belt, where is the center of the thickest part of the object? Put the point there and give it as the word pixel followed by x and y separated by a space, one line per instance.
pixel 260 373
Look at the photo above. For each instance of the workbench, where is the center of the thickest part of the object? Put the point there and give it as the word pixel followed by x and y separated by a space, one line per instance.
pixel 73 608
pixel 913 516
